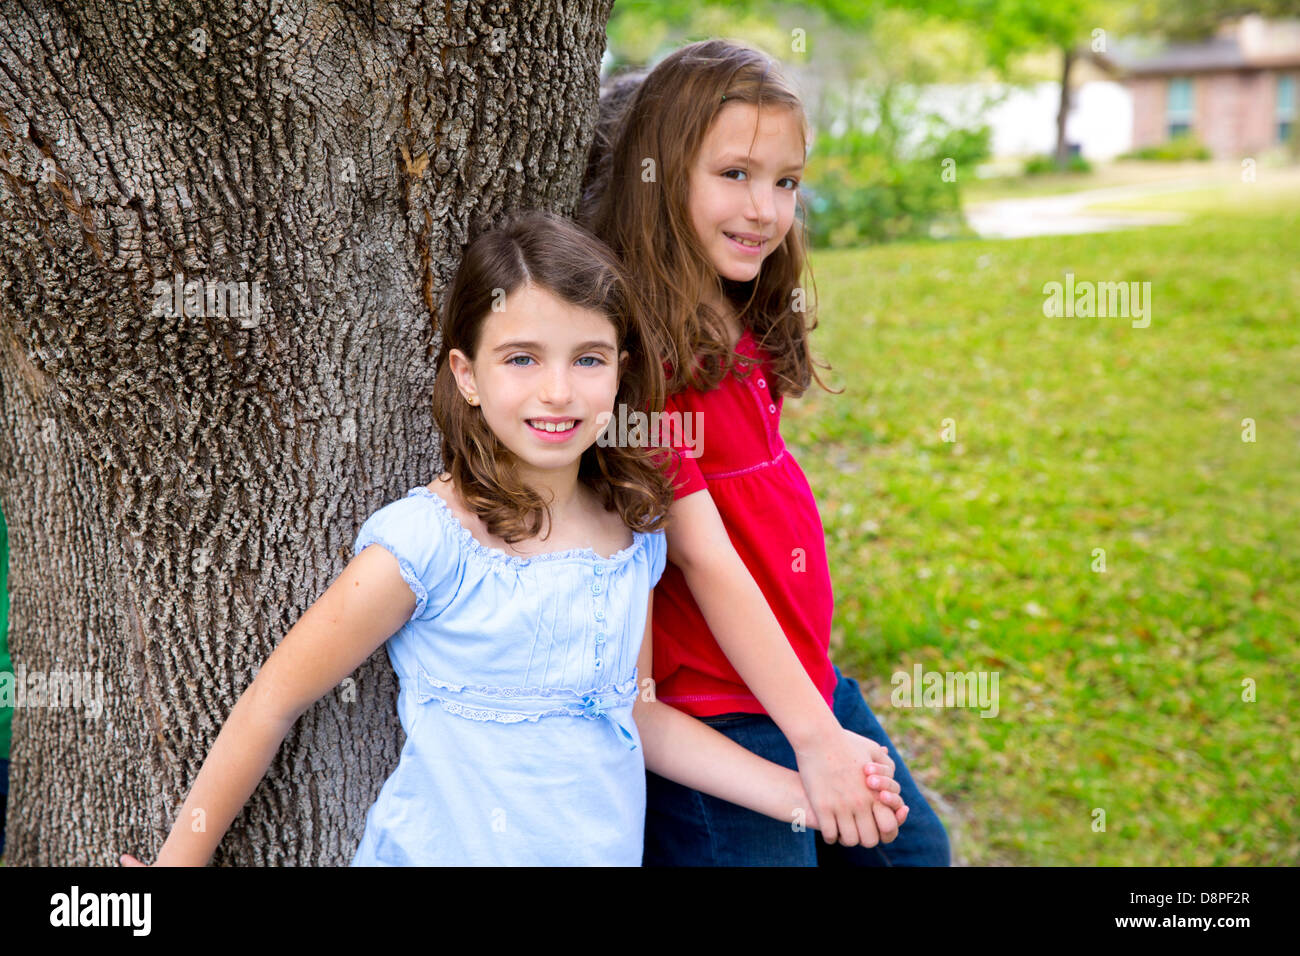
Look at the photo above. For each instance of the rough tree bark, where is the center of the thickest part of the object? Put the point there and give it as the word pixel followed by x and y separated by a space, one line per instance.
pixel 181 487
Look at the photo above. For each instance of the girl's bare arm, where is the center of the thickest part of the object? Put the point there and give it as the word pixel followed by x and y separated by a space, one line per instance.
pixel 830 758
pixel 742 622
pixel 362 608
pixel 693 754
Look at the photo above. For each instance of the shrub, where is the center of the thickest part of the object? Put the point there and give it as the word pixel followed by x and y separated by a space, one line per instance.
pixel 1178 149
pixel 865 191
pixel 1037 165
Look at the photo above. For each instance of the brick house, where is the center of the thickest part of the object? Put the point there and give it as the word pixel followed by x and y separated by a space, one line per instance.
pixel 1235 92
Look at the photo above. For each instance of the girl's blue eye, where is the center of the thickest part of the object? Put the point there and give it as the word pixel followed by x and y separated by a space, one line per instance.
pixel 740 176
pixel 514 360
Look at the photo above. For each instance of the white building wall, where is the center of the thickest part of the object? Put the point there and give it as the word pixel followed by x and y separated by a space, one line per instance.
pixel 1024 119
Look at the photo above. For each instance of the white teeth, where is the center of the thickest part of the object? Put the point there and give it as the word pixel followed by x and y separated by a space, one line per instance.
pixel 554 426
pixel 744 242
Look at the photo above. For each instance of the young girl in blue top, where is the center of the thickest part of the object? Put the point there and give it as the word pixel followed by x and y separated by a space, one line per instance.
pixel 513 594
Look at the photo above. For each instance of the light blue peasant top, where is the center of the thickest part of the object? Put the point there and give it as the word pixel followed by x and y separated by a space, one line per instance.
pixel 517 679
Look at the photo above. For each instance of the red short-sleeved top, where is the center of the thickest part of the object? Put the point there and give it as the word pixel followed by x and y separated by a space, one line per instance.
pixel 772 519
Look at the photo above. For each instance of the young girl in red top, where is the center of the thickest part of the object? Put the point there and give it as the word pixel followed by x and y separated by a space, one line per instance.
pixel 693 182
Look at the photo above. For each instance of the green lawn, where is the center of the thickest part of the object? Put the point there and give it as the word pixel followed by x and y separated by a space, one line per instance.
pixel 1271 188
pixel 1119 690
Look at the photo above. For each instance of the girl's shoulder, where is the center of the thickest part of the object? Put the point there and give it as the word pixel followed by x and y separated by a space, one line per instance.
pixel 442 501
pixel 747 357
pixel 444 488
pixel 427 552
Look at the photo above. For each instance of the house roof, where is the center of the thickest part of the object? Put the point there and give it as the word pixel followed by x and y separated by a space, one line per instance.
pixel 1252 44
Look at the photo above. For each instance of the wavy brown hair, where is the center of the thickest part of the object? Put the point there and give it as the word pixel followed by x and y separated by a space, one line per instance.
pixel 648 224
pixel 552 253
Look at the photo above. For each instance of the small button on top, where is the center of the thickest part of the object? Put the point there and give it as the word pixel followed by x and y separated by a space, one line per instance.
pixel 771 408
pixel 762 384
pixel 600 569
pixel 595 589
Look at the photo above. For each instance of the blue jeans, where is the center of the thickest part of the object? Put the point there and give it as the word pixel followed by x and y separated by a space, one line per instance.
pixel 685 827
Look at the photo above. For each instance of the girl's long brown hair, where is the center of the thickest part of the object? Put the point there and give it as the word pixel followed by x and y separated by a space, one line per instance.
pixel 554 254
pixel 637 201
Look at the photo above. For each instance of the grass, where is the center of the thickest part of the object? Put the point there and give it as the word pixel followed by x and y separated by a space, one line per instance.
pixel 1271 187
pixel 1121 690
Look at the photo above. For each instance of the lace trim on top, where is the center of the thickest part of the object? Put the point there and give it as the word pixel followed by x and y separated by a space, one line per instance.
pixel 475 546
pixel 404 566
pixel 511 705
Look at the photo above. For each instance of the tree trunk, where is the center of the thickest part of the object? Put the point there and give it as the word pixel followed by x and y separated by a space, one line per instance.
pixel 180 485
pixel 1062 151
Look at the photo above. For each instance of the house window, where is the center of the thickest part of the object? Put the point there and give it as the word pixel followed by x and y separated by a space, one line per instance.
pixel 1285 107
pixel 1178 107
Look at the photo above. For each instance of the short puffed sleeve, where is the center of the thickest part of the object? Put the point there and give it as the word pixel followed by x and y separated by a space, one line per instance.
pixel 412 531
pixel 657 548
pixel 681 462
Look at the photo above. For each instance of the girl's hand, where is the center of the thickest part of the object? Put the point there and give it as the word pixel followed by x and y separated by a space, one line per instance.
pixel 832 774
pixel 889 800
pixel 883 767
pixel 126 859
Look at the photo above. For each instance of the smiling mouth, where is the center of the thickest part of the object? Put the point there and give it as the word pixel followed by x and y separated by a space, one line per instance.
pixel 553 426
pixel 751 243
